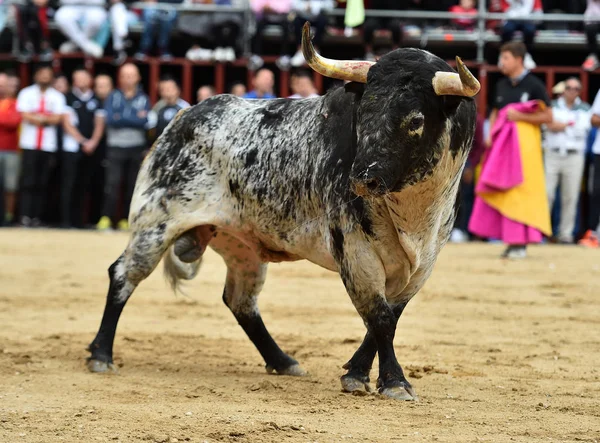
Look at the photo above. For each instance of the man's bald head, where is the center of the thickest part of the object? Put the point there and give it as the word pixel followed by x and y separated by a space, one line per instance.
pixel 129 76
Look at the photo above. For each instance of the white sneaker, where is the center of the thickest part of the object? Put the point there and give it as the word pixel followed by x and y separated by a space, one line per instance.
pixel 458 236
pixel 255 62
pixel 68 48
pixel 297 60
pixel 197 54
pixel 283 62
pixel 528 62
pixel 514 253
pixel 93 49
pixel 229 54
pixel 219 55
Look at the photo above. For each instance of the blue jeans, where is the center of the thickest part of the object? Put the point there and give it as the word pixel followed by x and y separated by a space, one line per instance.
pixel 527 28
pixel 160 22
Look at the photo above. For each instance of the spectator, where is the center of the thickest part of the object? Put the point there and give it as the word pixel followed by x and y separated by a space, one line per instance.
pixel 157 21
pixel 126 122
pixel 565 145
pixel 312 11
pixel 270 12
pixel 103 86
pixel 302 85
pixel 464 7
pixel 168 106
pixel 592 25
pixel 61 83
pixel 373 24
pixel 42 108
pixel 238 89
pixel 32 29
pixel 10 119
pixel 518 9
pixel 80 21
pixel 511 202
pixel 83 128
pixel 590 239
pixel 466 196
pixel 222 27
pixel 119 25
pixel 263 83
pixel 205 92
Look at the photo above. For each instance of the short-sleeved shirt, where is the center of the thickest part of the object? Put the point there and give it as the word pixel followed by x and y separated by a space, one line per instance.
pixel 32 99
pixel 527 88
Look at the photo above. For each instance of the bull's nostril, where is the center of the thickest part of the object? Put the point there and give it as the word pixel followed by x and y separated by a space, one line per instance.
pixel 372 184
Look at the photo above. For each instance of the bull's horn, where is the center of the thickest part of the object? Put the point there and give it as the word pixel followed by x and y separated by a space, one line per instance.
pixel 355 71
pixel 462 84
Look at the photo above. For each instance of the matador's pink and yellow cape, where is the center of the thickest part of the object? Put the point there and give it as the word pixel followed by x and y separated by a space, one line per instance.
pixel 511 203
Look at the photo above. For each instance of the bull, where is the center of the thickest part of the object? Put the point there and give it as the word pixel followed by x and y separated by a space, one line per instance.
pixel 361 181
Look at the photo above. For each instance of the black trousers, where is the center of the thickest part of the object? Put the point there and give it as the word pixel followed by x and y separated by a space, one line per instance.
pixel 391 24
pixel 591 32
pixel 69 206
pixel 261 24
pixel 36 167
pixel 123 166
pixel 466 198
pixel 594 217
pixel 319 23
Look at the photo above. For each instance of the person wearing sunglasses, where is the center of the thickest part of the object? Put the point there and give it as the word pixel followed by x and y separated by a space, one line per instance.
pixel 564 154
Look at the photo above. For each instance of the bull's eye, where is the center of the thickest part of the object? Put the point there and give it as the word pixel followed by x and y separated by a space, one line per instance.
pixel 415 123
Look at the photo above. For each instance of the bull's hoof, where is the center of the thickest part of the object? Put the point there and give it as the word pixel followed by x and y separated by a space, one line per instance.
pixel 352 383
pixel 293 370
pixel 403 392
pixel 101 366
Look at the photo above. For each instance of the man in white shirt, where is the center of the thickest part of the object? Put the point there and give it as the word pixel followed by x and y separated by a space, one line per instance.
pixel 565 144
pixel 42 108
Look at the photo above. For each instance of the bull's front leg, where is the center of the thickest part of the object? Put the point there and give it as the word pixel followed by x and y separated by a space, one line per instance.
pixel 364 277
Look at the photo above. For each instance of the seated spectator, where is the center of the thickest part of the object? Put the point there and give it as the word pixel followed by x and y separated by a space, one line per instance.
pixel 168 106
pixel 373 24
pixel 270 12
pixel 80 21
pixel 205 92
pixel 590 239
pixel 42 108
pixel 564 159
pixel 221 28
pixel 518 9
pixel 10 119
pixel 32 29
pixel 312 11
pixel 119 26
pixel 83 130
pixel 592 25
pixel 263 83
pixel 126 125
pixel 464 7
pixel 302 85
pixel 238 89
pixel 157 22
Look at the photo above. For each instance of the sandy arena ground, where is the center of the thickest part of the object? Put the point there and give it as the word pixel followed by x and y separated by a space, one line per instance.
pixel 497 351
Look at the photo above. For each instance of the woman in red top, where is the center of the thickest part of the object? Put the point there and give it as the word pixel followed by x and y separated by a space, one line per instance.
pixel 10 120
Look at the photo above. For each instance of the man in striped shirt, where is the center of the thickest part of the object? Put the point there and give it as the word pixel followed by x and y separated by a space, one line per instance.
pixel 42 108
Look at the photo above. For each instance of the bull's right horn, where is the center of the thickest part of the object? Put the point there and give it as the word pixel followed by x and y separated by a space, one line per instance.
pixel 463 84
pixel 354 71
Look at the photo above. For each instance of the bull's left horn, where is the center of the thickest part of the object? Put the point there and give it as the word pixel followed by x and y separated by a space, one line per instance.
pixel 462 84
pixel 354 71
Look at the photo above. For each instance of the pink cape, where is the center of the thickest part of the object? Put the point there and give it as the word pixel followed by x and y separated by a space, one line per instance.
pixel 502 170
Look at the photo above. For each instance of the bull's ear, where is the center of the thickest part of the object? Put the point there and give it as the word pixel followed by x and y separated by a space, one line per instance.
pixel 452 102
pixel 355 88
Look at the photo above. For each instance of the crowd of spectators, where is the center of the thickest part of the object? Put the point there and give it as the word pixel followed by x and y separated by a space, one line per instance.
pixel 89 25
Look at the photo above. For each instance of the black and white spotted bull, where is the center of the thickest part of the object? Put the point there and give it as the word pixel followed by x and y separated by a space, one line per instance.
pixel 361 181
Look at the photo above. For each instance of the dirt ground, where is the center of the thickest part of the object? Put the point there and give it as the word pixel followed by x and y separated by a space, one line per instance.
pixel 497 351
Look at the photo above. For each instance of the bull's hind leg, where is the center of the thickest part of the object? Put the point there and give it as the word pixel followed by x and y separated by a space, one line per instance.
pixel 359 366
pixel 245 278
pixel 143 253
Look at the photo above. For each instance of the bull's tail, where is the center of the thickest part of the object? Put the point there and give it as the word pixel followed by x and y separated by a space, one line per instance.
pixel 176 270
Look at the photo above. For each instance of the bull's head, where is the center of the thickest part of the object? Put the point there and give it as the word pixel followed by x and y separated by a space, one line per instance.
pixel 403 116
